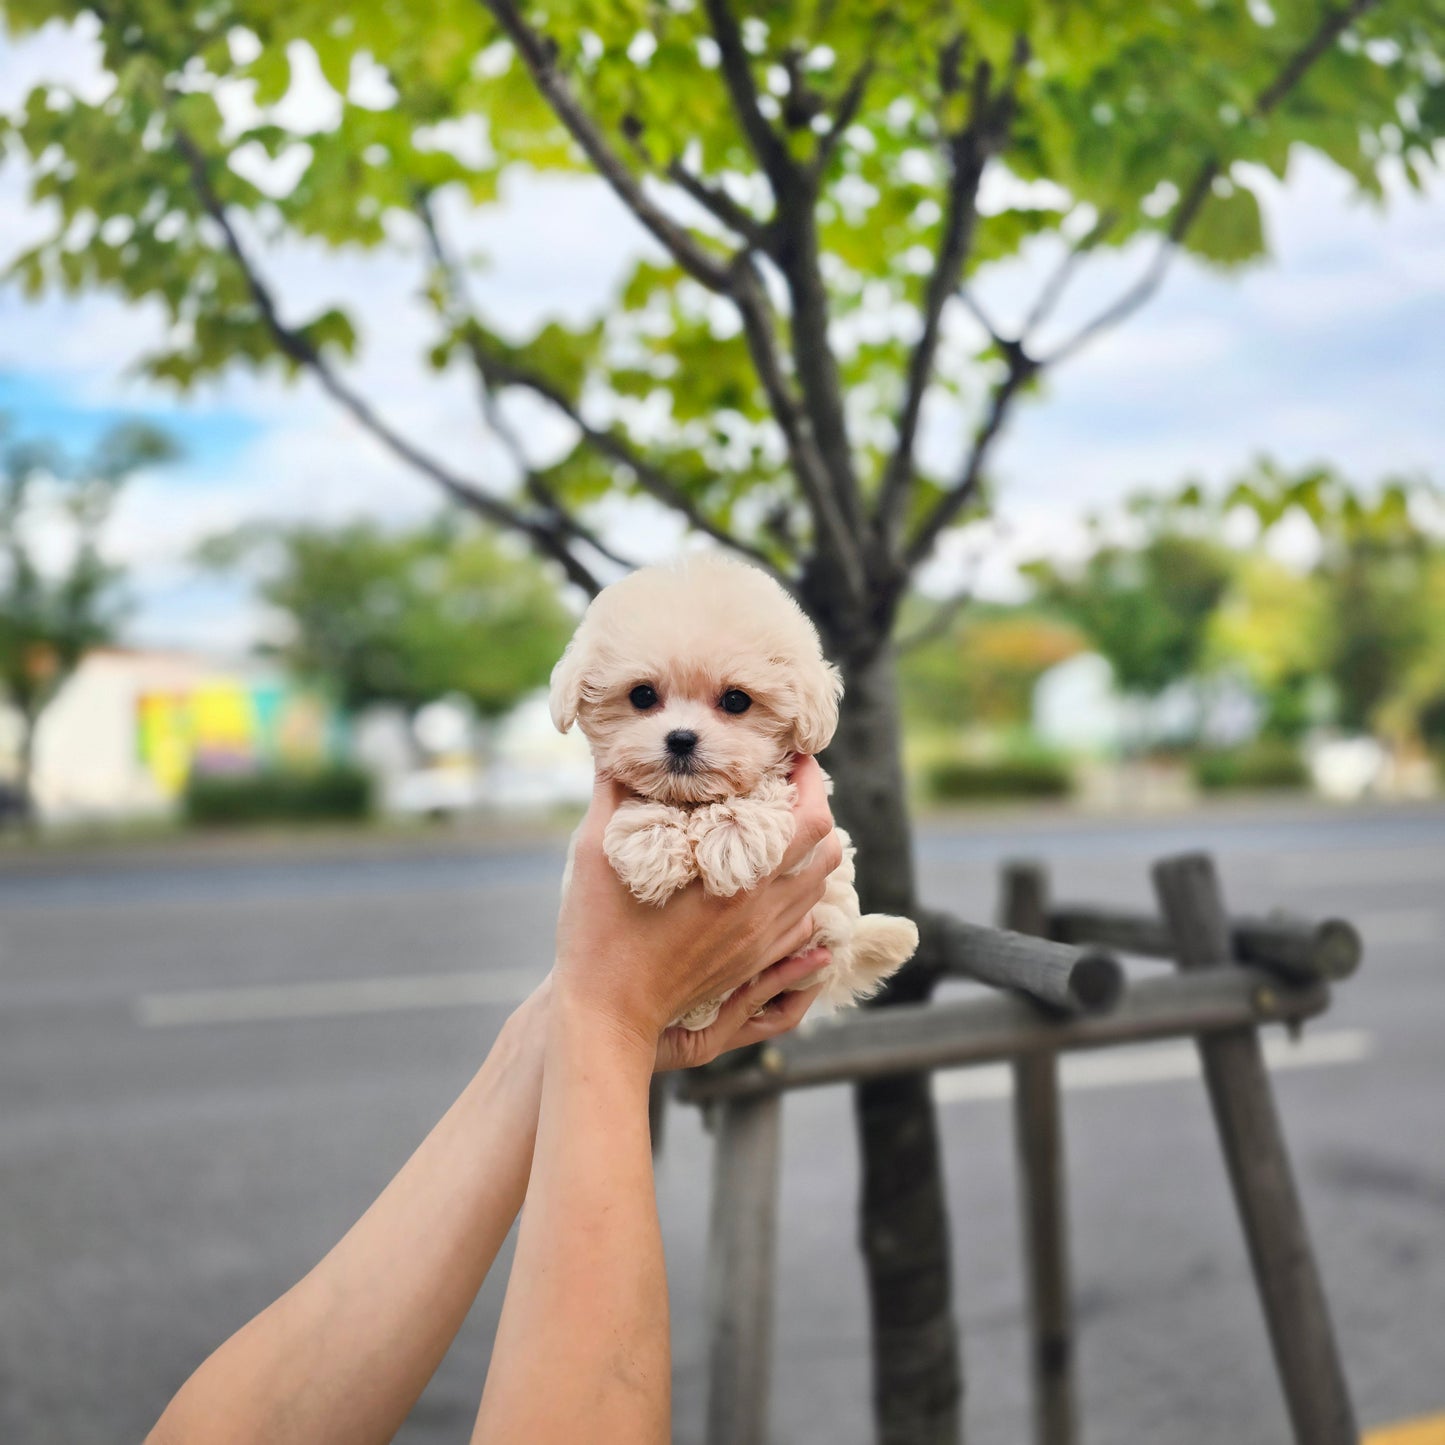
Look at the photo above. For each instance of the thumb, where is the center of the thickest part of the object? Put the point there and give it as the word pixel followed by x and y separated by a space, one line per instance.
pixel 607 796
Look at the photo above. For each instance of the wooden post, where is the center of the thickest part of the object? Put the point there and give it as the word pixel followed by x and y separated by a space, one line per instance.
pixel 1269 1209
pixel 1038 1133
pixel 742 1247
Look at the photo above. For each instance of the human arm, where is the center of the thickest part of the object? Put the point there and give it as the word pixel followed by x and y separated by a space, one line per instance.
pixel 344 1354
pixel 582 1348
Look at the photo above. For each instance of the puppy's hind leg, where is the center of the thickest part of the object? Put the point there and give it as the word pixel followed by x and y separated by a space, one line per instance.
pixel 882 944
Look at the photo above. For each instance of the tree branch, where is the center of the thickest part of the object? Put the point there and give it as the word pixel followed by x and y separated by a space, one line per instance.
pixel 797 428
pixel 1022 367
pixel 616 447
pixel 491 368
pixel 1053 289
pixel 737 71
pixel 843 117
pixel 1331 27
pixel 938 624
pixel 969 151
pixel 719 204
pixel 458 312
pixel 303 353
pixel 539 56
pixel 795 252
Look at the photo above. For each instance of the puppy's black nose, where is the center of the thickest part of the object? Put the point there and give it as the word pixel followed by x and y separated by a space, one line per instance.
pixel 681 741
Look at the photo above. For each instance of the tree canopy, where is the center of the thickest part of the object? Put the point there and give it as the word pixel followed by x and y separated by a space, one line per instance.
pixel 824 187
pixel 406 617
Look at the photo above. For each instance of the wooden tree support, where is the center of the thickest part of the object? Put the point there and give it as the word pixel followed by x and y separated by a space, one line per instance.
pixel 1234 976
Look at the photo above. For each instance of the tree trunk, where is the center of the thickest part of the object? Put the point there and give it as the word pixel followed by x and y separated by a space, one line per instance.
pixel 903 1226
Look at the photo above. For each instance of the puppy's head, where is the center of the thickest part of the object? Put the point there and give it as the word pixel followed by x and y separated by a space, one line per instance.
pixel 694 681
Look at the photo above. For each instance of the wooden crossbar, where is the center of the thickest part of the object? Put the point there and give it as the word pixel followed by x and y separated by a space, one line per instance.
pixel 918 1038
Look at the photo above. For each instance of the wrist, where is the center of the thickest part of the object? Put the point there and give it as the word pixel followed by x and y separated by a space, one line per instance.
pixel 576 1019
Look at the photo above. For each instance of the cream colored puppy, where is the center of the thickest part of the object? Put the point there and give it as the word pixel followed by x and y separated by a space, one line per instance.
pixel 696 685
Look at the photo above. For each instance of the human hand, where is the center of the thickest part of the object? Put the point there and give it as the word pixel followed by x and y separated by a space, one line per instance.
pixel 637 967
pixel 758 1011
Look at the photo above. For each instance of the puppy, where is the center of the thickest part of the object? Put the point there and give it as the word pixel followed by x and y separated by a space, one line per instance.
pixel 696 684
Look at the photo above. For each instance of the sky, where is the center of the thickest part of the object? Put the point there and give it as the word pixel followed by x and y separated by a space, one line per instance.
pixel 1333 350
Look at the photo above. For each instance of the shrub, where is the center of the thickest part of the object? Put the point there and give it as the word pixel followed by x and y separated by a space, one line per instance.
pixel 960 780
pixel 1260 765
pixel 279 796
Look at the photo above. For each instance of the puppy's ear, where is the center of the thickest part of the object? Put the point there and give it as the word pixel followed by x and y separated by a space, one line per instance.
pixel 819 690
pixel 565 696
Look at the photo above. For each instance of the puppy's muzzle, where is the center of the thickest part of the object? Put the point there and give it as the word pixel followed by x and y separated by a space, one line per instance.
pixel 681 750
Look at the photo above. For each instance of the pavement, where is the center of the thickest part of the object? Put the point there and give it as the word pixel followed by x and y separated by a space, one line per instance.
pixel 213 1057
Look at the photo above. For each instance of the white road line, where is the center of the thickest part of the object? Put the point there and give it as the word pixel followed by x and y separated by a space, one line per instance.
pixel 1158 1063
pixel 332 998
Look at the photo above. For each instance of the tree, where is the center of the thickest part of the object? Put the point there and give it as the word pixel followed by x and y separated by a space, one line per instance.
pixel 1378 562
pixel 1145 608
pixel 810 179
pixel 407 617
pixel 1272 627
pixel 982 672
pixel 58 594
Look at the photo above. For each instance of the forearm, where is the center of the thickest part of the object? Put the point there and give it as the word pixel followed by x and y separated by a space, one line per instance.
pixel 345 1353
pixel 582 1351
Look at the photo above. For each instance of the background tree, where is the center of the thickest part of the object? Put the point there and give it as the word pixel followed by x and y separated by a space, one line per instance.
pixel 1272 627
pixel 810 178
pixel 1378 569
pixel 409 616
pixel 1146 608
pixel 981 673
pixel 58 594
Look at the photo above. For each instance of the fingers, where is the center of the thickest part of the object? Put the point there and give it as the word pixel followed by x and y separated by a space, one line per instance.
pixel 781 1016
pixel 800 935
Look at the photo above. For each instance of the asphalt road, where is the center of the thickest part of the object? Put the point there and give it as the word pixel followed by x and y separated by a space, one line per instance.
pixel 210 1062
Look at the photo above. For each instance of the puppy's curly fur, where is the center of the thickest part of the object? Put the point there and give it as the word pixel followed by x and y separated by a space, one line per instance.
pixel 696 685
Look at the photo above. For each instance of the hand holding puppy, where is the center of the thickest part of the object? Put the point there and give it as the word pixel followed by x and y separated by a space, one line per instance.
pixel 638 967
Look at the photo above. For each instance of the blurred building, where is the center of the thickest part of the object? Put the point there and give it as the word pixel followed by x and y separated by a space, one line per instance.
pixel 127 728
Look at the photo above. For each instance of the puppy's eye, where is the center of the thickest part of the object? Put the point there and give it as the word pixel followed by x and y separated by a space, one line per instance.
pixel 735 700
pixel 643 696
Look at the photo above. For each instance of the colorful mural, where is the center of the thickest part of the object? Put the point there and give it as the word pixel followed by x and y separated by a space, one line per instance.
pixel 225 725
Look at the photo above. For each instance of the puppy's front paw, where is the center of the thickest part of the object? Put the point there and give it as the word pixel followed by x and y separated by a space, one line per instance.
pixel 739 842
pixel 650 851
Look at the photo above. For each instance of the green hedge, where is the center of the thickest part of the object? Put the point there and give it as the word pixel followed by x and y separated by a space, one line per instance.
pixel 959 780
pixel 1262 765
pixel 279 796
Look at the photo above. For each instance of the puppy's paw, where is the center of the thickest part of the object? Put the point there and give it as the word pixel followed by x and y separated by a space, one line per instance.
pixel 738 842
pixel 701 1015
pixel 650 851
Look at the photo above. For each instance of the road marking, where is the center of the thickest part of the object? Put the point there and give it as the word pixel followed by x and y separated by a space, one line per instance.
pixel 1159 1063
pixel 332 998
pixel 1427 1431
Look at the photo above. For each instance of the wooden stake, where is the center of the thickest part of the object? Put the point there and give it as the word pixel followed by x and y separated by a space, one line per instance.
pixel 1269 1209
pixel 1038 1134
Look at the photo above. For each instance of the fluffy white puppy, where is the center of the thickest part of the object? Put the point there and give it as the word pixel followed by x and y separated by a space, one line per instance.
pixel 696 685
